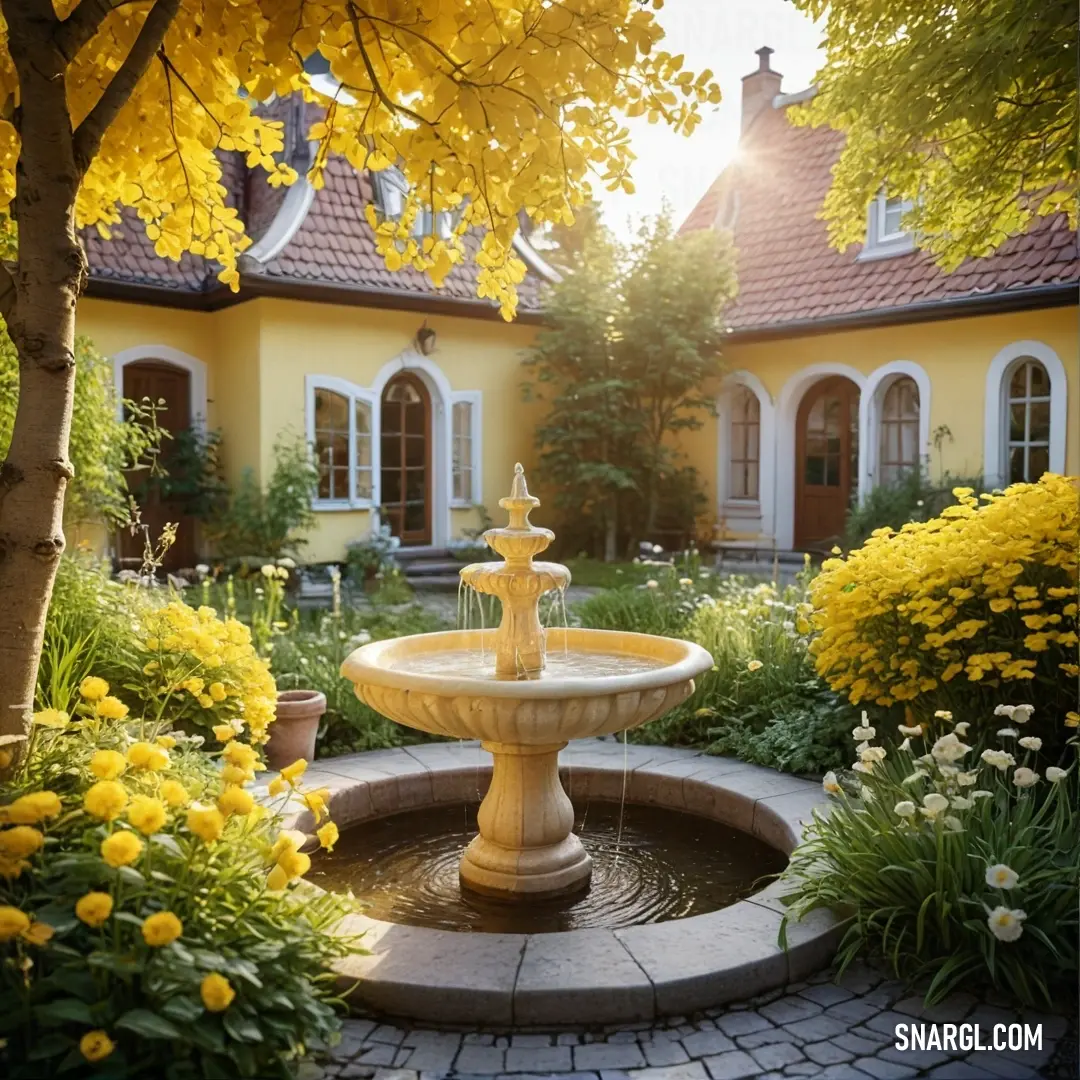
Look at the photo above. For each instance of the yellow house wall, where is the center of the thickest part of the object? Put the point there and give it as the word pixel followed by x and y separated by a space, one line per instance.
pixel 954 353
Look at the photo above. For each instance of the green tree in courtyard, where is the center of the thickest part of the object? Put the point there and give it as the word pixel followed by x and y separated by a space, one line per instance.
pixel 967 109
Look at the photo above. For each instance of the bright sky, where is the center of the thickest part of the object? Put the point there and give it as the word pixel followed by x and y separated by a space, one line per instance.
pixel 721 35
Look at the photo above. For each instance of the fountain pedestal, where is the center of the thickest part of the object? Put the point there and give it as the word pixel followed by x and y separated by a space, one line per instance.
pixel 525 846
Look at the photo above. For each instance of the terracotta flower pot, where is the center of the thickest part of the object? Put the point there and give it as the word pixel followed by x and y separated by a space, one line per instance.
pixel 293 732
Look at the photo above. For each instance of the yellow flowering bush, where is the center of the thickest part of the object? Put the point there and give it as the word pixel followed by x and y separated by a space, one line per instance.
pixel 977 604
pixel 203 671
pixel 153 915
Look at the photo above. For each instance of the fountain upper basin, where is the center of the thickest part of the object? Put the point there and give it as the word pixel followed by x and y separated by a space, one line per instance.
pixel 466 701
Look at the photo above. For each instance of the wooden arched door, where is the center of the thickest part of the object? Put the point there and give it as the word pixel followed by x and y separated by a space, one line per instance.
pixel 169 388
pixel 405 468
pixel 826 465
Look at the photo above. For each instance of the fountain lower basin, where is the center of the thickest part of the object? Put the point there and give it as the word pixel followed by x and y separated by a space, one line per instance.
pixel 447 684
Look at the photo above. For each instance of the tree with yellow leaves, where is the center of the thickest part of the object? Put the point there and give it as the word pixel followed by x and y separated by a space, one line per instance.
pixel 489 107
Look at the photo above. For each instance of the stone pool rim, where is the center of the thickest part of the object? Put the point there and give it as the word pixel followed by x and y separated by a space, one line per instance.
pixel 580 977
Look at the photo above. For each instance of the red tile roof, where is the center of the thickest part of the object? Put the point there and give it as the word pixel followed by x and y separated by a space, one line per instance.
pixel 788 273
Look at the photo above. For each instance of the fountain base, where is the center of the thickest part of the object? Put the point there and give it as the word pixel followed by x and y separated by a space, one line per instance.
pixel 525 848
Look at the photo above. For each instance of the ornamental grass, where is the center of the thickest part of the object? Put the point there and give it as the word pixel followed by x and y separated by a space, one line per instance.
pixel 955 858
pixel 153 917
pixel 975 607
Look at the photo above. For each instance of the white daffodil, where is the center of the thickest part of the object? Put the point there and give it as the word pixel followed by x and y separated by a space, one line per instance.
pixel 934 804
pixel 998 758
pixel 943 714
pixel 906 745
pixel 863 767
pixel 981 793
pixel 1000 876
pixel 1056 775
pixel 1008 733
pixel 830 784
pixel 1022 714
pixel 961 729
pixel 871 753
pixel 949 748
pixel 652 584
pixel 966 779
pixel 866 794
pixel 918 774
pixel 1025 777
pixel 1031 742
pixel 1005 710
pixel 863 733
pixel 953 824
pixel 912 731
pixel 904 809
pixel 960 803
pixel 1006 924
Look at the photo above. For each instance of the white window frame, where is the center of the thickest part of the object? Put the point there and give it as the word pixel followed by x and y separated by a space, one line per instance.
pixel 870 407
pixel 475 399
pixel 353 394
pixel 996 413
pixel 880 244
pixel 763 507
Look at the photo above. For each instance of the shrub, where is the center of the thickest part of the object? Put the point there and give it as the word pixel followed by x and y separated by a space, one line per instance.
pixel 371 555
pixel 147 934
pixel 958 866
pixel 974 606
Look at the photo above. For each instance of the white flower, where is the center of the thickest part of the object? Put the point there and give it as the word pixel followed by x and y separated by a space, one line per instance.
pixel 1022 714
pixel 926 759
pixel 913 731
pixel 1005 710
pixel 980 793
pixel 949 748
pixel 904 809
pixel 866 794
pixel 966 779
pixel 862 767
pixel 1056 775
pixel 1000 876
pixel 934 804
pixel 948 770
pixel 289 564
pixel 1008 732
pixel 863 733
pixel 954 824
pixel 202 569
pixel 657 549
pixel 754 665
pixel 960 803
pixel 686 582
pixel 998 758
pixel 652 583
pixel 269 571
pixel 961 728
pixel 1006 924
pixel 918 774
pixel 943 714
pixel 831 784
pixel 906 745
pixel 1031 742
pixel 1025 777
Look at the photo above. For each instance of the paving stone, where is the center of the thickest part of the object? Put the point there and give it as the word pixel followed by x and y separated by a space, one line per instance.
pixel 828 1053
pixel 1053 1027
pixel 484 1060
pixel 742 1023
pixel 885 1070
pixel 859 1045
pixel 502 1042
pixel 998 1065
pixel 479 1039
pixel 802 1068
pixel 690 1070
pixel 701 1043
pixel 567 1040
pixel 731 1066
pixel 664 1054
pixel 622 1037
pixel 705 1025
pixel 777 1055
pixel 433 1040
pixel 378 1054
pixel 816 1028
pixel 402 1058
pixel 856 1011
pixel 386 1033
pixel 841 1072
pixel 887 1022
pixel 766 1037
pixel 396 1074
pixel 921 1059
pixel 608 1056
pixel 950 1011
pixel 539 1059
pixel 959 1070
pixel 430 1059
pixel 517 1041
pixel 789 1010
pixel 826 994
pixel 987 1016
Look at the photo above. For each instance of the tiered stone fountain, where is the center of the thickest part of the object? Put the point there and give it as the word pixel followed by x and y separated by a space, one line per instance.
pixel 524 692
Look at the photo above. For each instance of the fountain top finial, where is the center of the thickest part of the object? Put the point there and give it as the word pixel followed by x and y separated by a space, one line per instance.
pixel 519 503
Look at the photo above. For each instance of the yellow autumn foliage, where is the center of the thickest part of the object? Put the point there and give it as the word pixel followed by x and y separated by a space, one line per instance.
pixel 984 596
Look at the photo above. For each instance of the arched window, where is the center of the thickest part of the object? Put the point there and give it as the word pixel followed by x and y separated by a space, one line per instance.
pixel 745 445
pixel 1027 421
pixel 898 446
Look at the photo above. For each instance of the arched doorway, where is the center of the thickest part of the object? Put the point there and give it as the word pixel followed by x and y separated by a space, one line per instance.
pixel 405 472
pixel 168 387
pixel 826 460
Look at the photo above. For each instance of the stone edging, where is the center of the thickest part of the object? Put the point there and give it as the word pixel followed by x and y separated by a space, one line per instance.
pixel 584 976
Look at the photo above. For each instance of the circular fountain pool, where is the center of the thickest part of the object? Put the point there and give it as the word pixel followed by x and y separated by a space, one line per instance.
pixel 650 865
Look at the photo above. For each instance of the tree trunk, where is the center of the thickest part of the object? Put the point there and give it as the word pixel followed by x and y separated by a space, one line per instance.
pixel 611 531
pixel 47 282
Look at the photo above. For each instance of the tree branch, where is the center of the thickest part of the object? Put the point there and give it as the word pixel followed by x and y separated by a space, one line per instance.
pixel 89 133
pixel 80 26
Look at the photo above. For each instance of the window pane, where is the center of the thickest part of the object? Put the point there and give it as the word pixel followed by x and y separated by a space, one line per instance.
pixel 1016 465
pixel 1018 382
pixel 363 418
pixel 1040 380
pixel 331 411
pixel 1039 430
pixel 1017 413
pixel 363 483
pixel 751 490
pixel 832 471
pixel 462 451
pixel 1038 462
pixel 894 212
pixel 909 439
pixel 815 470
pixel 753 442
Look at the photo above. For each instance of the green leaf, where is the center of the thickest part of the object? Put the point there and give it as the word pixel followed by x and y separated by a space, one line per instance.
pixel 65 1009
pixel 184 1010
pixel 130 876
pixel 148 1024
pixel 49 1046
pixel 241 1027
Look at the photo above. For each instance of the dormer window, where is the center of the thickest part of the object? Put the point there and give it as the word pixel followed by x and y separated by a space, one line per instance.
pixel 885 232
pixel 391 192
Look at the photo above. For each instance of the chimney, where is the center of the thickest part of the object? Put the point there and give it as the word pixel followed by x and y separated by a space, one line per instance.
pixel 759 88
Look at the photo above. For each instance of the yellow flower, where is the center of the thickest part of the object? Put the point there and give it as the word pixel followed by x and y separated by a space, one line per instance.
pixel 37 933
pixel 92 688
pixel 161 929
pixel 13 922
pixel 121 848
pixel 1072 719
pixel 206 822
pixel 96 1046
pixel 147 814
pixel 294 863
pixel 277 879
pixel 287 840
pixel 145 755
pixel 754 665
pixel 52 718
pixel 316 801
pixel 112 708
pixel 224 732
pixel 107 764
pixel 6 758
pixel 20 841
pixel 235 800
pixel 277 786
pixel 32 808
pixel 293 772
pixel 166 742
pixel 105 800
pixel 216 993
pixel 328 835
pixel 94 908
pixel 241 755
pixel 173 792
pixel 234 774
pixel 218 691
